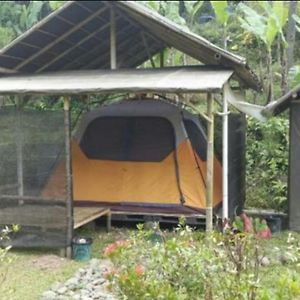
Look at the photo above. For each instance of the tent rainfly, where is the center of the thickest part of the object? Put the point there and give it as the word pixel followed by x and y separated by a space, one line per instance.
pixel 71 52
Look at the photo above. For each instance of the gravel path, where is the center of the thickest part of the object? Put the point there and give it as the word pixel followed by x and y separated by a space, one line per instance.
pixel 88 283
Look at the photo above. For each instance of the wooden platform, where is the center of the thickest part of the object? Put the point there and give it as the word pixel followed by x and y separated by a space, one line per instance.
pixel 161 217
pixel 84 215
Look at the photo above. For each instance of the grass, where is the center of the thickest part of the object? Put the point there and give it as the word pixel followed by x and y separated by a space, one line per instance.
pixel 31 272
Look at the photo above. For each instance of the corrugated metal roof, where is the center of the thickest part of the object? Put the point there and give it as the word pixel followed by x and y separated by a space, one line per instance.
pixel 176 80
pixel 76 37
pixel 281 104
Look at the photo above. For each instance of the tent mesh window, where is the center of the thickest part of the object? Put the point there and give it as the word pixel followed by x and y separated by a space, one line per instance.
pixel 128 139
pixel 197 138
pixel 32 150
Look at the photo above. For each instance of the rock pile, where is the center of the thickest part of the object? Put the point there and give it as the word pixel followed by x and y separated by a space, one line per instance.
pixel 88 283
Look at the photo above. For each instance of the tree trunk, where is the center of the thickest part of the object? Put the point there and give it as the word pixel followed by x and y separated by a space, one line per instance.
pixel 261 72
pixel 225 37
pixel 284 73
pixel 278 40
pixel 270 76
pixel 290 34
pixel 288 54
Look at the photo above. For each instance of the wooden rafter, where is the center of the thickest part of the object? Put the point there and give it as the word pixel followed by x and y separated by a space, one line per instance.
pixel 144 39
pixel 72 48
pixel 60 38
pixel 96 50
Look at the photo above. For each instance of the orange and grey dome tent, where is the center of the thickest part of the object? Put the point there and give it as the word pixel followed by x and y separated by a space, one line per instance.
pixel 139 155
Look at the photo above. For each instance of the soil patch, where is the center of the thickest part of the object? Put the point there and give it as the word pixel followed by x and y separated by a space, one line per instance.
pixel 48 262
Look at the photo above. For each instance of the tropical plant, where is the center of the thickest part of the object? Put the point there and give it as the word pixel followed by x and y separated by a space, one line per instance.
pixel 222 16
pixel 266 26
pixel 267 163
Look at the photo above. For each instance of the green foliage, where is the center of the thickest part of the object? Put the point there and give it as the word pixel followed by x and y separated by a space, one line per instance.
pixel 220 8
pixel 56 4
pixel 6 35
pixel 267 25
pixel 294 76
pixel 267 163
pixel 190 265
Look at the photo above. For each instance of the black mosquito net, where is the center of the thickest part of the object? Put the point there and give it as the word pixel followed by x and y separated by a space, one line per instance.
pixel 128 139
pixel 33 141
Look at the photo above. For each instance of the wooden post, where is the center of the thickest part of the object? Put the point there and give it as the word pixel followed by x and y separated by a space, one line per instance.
pixel 69 181
pixel 113 40
pixel 19 145
pixel 210 164
pixel 225 159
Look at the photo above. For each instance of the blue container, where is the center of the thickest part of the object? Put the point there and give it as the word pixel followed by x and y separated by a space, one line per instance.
pixel 81 248
pixel 275 224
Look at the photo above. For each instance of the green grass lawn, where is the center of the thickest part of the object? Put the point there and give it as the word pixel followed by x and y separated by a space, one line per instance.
pixel 31 272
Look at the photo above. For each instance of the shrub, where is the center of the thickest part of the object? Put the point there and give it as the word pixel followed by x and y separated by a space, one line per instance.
pixel 267 164
pixel 190 265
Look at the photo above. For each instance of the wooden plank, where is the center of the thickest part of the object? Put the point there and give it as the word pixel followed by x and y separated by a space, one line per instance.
pixel 84 215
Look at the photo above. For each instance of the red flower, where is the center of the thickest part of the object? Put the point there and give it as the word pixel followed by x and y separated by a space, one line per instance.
pixel 139 270
pixel 109 249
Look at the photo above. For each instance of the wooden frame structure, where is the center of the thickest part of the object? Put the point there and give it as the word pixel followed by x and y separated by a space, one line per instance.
pixel 131 35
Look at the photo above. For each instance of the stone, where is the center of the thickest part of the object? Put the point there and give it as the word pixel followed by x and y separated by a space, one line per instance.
pixel 55 286
pixel 264 261
pixel 49 295
pixel 62 290
pixel 72 283
pixel 61 297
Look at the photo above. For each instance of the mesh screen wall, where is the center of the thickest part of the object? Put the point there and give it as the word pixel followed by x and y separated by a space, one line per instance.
pixel 31 146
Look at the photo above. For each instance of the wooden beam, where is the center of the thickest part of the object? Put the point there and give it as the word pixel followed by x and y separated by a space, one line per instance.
pixel 137 25
pixel 63 53
pixel 57 36
pixel 147 50
pixel 7 71
pixel 90 11
pixel 60 38
pixel 113 40
pixel 69 181
pixel 89 53
pixel 210 164
pixel 35 27
pixel 73 24
pixel 124 44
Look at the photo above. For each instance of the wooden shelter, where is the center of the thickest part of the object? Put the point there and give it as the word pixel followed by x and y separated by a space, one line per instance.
pixel 91 47
pixel 291 101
